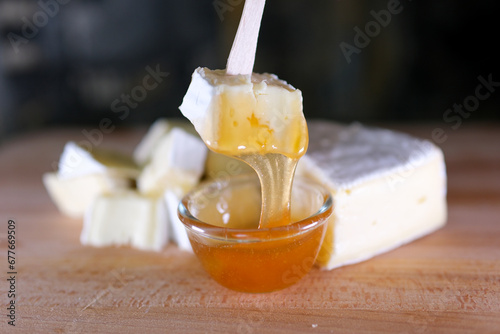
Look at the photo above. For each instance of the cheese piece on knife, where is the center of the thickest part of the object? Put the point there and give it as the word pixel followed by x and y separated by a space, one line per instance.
pixel 388 189
pixel 161 127
pixel 76 161
pixel 126 218
pixel 73 196
pixel 256 113
pixel 177 162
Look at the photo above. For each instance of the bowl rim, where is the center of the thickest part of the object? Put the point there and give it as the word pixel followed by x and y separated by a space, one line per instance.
pixel 318 218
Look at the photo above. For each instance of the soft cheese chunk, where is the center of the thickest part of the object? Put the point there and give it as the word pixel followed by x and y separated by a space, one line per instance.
pixel 126 219
pixel 76 161
pixel 159 129
pixel 388 189
pixel 73 196
pixel 177 162
pixel 248 114
pixel 177 232
pixel 144 150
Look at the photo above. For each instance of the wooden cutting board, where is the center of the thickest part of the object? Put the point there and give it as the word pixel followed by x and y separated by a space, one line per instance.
pixel 448 281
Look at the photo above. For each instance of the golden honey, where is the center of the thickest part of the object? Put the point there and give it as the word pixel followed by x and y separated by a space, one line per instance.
pixel 260 266
pixel 272 151
pixel 242 257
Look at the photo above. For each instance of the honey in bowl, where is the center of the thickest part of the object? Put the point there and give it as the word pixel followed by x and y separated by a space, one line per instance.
pixel 221 219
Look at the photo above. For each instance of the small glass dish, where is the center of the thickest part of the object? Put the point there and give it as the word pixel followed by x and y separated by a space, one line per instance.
pixel 242 257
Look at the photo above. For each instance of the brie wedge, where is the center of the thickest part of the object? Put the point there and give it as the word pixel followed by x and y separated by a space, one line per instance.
pixel 388 189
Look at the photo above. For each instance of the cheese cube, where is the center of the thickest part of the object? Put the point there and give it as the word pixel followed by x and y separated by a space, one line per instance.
pixel 159 129
pixel 76 161
pixel 246 114
pixel 177 231
pixel 126 218
pixel 177 162
pixel 73 196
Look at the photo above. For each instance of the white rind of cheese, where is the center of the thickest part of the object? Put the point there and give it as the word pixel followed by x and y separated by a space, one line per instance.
pixel 177 231
pixel 76 161
pixel 388 189
pixel 177 162
pixel 254 113
pixel 73 196
pixel 144 150
pixel 126 219
pixel 161 127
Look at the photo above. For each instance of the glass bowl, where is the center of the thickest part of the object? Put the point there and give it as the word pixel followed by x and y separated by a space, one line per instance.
pixel 221 218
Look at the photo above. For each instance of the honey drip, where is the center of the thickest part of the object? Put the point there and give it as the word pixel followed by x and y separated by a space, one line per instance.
pixel 244 131
pixel 275 173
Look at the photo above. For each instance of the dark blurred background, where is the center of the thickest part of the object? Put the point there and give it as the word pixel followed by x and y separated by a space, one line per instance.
pixel 75 62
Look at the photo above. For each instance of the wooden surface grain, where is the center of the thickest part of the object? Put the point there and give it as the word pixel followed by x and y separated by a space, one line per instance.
pixel 446 282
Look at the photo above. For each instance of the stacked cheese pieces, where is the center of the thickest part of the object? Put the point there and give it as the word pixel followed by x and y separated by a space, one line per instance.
pixel 388 189
pixel 99 185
